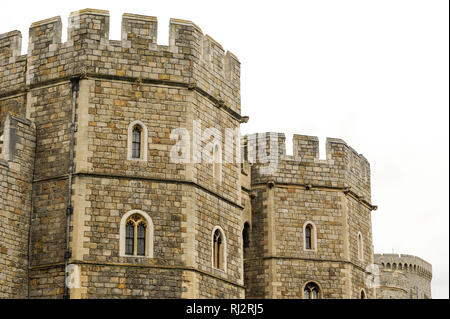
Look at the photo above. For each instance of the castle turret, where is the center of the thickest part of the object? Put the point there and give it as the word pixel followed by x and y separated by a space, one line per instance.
pixel 311 231
pixel 403 277
pixel 108 114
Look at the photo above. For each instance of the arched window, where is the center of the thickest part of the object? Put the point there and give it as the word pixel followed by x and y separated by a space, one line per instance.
pixel 309 238
pixel 400 266
pixel 360 247
pixel 137 141
pixel 246 239
pixel 136 147
pixel 129 238
pixel 388 266
pixel 311 291
pixel 141 227
pixel 363 294
pixel 219 249
pixel 136 235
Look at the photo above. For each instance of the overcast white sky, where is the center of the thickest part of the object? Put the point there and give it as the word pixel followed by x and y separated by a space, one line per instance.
pixel 374 73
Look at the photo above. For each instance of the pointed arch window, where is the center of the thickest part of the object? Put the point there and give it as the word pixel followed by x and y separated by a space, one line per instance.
pixel 309 236
pixel 137 141
pixel 311 291
pixel 136 148
pixel 136 235
pixel 219 249
pixel 308 239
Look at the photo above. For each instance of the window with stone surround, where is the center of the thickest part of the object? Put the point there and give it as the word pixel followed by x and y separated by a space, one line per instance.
pixel 309 236
pixel 312 291
pixel 219 255
pixel 362 294
pixel 136 144
pixel 136 235
pixel 137 141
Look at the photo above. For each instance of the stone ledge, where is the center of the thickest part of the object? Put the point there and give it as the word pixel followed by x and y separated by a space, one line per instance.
pixel 90 11
pixel 10 34
pixel 45 22
pixel 4 163
pixel 139 17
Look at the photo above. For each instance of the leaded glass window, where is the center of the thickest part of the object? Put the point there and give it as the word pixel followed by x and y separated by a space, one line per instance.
pixel 136 236
pixel 308 237
pixel 218 249
pixel 136 146
pixel 311 291
pixel 129 244
pixel 141 239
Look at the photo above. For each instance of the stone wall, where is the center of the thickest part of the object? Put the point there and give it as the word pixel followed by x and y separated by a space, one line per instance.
pixel 16 171
pixel 165 88
pixel 67 179
pixel 403 277
pixel 333 195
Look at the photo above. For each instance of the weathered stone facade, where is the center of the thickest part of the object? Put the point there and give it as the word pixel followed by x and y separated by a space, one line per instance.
pixel 334 196
pixel 68 182
pixel 403 277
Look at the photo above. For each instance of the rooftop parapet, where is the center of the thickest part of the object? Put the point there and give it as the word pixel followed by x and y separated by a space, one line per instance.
pixel 12 63
pixel 192 59
pixel 139 31
pixel 10 45
pixel 342 168
pixel 398 262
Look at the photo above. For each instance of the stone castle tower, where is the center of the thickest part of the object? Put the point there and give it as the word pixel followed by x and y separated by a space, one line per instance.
pixel 93 204
pixel 330 197
pixel 403 277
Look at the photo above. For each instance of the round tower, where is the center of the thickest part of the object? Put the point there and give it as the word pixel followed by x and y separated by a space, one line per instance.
pixel 403 277
pixel 117 210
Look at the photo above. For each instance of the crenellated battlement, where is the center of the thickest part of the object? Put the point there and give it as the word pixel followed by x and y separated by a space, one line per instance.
pixel 404 263
pixel 191 59
pixel 10 45
pixel 342 168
